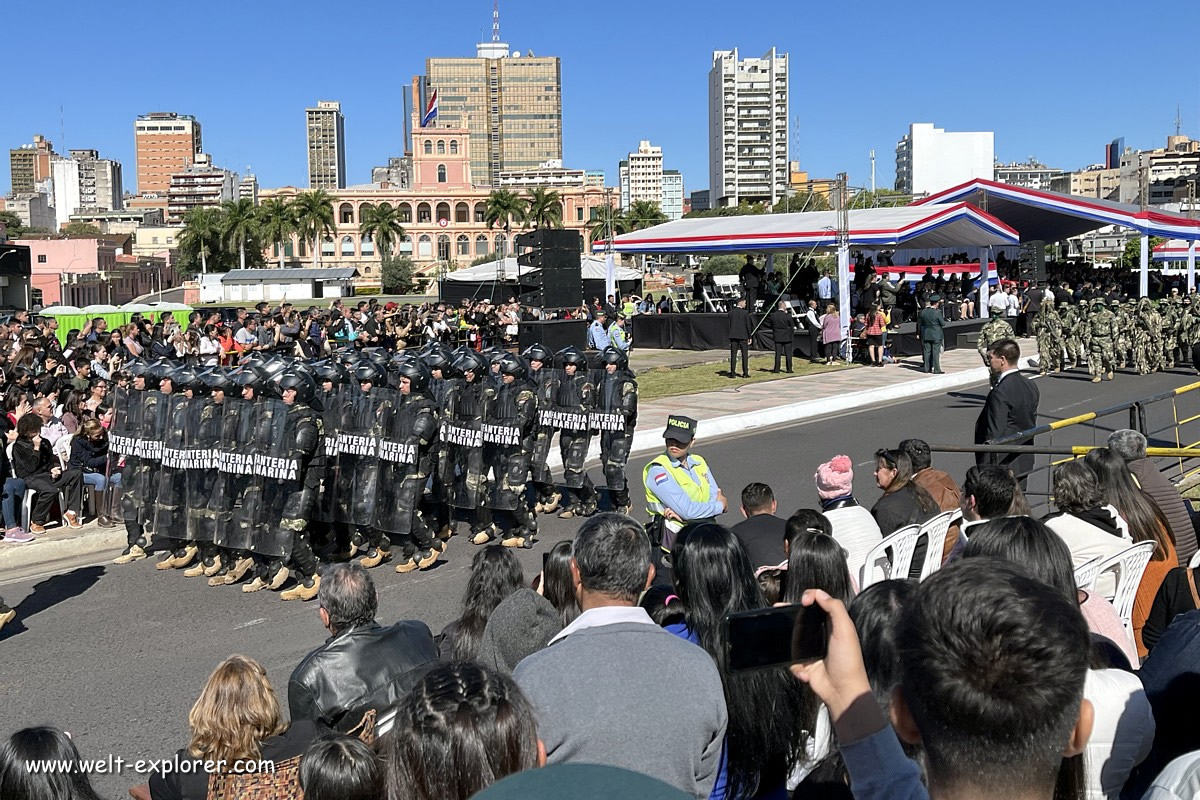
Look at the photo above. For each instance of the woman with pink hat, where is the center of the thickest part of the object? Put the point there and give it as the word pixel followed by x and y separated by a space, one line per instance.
pixel 853 526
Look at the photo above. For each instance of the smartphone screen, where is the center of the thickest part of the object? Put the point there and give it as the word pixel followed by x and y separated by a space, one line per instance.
pixel 776 637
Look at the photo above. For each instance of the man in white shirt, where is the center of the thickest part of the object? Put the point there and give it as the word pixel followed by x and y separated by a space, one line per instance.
pixel 998 301
pixel 825 288
pixel 52 427
pixel 1014 303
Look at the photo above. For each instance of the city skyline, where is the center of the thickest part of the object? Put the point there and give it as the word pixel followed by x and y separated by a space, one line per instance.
pixel 898 69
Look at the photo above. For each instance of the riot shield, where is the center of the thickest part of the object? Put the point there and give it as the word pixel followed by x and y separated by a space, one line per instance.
pixel 357 483
pixel 461 431
pixel 125 454
pixel 170 501
pixel 544 387
pixel 257 466
pixel 571 414
pixel 403 464
pixel 326 509
pixel 234 443
pixel 506 448
pixel 282 468
pixel 202 436
pixel 615 417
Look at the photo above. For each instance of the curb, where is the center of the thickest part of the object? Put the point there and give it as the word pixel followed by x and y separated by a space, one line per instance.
pixel 54 547
pixel 650 440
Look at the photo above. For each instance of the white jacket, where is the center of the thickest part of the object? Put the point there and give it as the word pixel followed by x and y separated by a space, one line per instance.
pixel 1122 734
pixel 857 532
pixel 1086 541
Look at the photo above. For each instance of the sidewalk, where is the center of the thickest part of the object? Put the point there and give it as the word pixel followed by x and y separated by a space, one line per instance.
pixel 721 412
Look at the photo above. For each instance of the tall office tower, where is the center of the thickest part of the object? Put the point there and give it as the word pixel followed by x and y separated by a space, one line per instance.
pixel 30 164
pixel 326 146
pixel 165 143
pixel 510 102
pixel 748 128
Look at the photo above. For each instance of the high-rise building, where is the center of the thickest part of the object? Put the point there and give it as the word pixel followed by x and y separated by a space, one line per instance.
pixel 672 193
pixel 1113 152
pixel 85 182
pixel 510 102
pixel 1031 174
pixel 748 128
pixel 1094 181
pixel 326 146
pixel 700 200
pixel 1154 175
pixel 166 143
pixel 199 185
pixel 642 175
pixel 30 164
pixel 397 173
pixel 930 159
pixel 248 188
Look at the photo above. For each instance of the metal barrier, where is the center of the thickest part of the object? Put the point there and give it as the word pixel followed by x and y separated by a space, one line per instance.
pixel 1170 421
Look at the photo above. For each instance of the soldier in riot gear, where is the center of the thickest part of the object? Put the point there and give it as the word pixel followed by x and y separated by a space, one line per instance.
pixel 408 430
pixel 128 440
pixel 201 434
pixel 170 523
pixel 509 435
pixel 295 499
pixel 539 358
pixel 616 418
pixel 461 430
pixel 574 398
pixel 358 462
pixel 213 419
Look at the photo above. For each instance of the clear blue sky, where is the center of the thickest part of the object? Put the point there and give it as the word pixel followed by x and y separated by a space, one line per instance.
pixel 1053 79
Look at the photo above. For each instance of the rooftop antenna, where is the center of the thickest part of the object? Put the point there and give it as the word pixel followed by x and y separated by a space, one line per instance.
pixel 495 20
pixel 1178 120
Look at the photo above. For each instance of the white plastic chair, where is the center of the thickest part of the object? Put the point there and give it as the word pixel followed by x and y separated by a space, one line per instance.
pixel 936 529
pixel 27 500
pixel 902 542
pixel 1195 562
pixel 1087 572
pixel 1129 564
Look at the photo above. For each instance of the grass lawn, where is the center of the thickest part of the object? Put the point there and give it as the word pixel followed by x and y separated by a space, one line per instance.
pixel 666 382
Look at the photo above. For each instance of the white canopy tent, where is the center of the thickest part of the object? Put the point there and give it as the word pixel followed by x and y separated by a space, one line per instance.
pixel 592 268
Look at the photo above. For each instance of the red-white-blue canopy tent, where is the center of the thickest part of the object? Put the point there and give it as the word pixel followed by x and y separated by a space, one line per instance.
pixel 1175 250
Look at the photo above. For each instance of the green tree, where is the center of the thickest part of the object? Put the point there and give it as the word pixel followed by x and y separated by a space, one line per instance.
pixel 482 259
pixel 543 208
pixel 1132 257
pixel 803 201
pixel 609 221
pixel 276 223
pixel 396 275
pixel 644 214
pixel 728 264
pixel 13 226
pixel 314 218
pixel 78 228
pixel 741 209
pixel 202 235
pixel 382 224
pixel 504 207
pixel 239 226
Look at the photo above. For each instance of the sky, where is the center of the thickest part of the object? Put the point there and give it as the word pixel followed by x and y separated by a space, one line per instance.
pixel 1056 80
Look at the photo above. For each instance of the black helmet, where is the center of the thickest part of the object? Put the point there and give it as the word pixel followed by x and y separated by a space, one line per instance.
pixel 217 379
pixel 513 365
pixel 330 371
pixel 416 372
pixel 139 368
pixel 538 352
pixel 376 355
pixel 470 361
pixel 572 355
pixel 187 377
pixel 161 370
pixel 611 355
pixel 302 382
pixel 436 356
pixel 244 377
pixel 370 371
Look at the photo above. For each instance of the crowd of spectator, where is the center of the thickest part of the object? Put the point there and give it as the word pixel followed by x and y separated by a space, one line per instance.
pixel 993 673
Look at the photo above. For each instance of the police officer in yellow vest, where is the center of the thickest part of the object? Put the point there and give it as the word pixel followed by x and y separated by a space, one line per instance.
pixel 680 488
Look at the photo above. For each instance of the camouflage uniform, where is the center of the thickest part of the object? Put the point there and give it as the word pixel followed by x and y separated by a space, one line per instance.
pixel 1170 331
pixel 1102 327
pixel 1085 332
pixel 1190 328
pixel 1070 327
pixel 1122 339
pixel 1047 327
pixel 993 330
pixel 1147 338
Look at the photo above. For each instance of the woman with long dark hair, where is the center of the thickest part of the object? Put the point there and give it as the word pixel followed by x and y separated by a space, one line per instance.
pixel 460 729
pixel 713 578
pixel 557 585
pixel 495 574
pixel 904 502
pixel 815 560
pixel 1147 523
pixel 43 745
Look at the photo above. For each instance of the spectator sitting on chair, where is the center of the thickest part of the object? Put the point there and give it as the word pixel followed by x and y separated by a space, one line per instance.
pixel 761 533
pixel 237 717
pixel 363 666
pixel 903 502
pixel 43 745
pixel 853 526
pixel 1131 446
pixel 1085 521
pixel 940 485
pixel 52 428
pixel 340 767
pixel 34 463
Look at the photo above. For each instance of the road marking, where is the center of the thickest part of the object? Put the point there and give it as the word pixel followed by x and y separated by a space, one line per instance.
pixel 258 621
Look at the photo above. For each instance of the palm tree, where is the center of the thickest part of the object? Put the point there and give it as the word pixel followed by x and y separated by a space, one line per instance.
pixel 382 224
pixel 608 222
pixel 504 206
pixel 239 223
pixel 314 218
pixel 544 208
pixel 201 235
pixel 644 214
pixel 276 223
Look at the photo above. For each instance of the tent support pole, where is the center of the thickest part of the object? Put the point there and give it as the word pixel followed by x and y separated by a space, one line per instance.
pixel 1191 266
pixel 985 288
pixel 1144 272
pixel 843 268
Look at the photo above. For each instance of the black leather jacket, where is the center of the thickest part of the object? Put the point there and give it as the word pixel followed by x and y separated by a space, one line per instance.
pixel 365 667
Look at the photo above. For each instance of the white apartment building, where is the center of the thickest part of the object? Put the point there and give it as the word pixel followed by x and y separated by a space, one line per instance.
pixel 748 128
pixel 930 159
pixel 85 182
pixel 198 186
pixel 642 175
pixel 34 209
pixel 248 188
pixel 672 194
pixel 1162 170
pixel 548 175
pixel 1031 174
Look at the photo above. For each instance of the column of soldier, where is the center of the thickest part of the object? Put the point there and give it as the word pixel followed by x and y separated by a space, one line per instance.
pixel 254 475
pixel 1107 335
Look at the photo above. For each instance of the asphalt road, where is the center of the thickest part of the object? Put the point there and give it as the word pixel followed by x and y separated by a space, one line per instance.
pixel 117 655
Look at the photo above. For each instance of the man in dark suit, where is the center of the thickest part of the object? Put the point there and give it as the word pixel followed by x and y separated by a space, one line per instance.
pixel 783 333
pixel 761 533
pixel 751 277
pixel 1011 407
pixel 741 328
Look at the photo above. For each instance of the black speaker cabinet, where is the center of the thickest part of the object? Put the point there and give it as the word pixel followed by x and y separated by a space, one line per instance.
pixel 553 334
pixel 562 279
